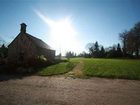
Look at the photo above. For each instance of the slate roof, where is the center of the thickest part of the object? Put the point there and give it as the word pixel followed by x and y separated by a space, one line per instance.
pixel 38 42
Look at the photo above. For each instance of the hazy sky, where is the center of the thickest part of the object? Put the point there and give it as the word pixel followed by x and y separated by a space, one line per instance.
pixel 87 20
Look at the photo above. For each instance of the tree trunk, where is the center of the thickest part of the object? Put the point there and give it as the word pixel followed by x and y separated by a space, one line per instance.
pixel 137 53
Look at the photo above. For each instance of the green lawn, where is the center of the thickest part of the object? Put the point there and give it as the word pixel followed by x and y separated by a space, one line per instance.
pixel 56 69
pixel 111 68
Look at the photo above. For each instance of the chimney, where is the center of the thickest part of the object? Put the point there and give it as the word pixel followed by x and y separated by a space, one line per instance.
pixel 23 28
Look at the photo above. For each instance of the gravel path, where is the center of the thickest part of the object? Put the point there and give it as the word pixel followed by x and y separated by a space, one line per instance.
pixel 58 90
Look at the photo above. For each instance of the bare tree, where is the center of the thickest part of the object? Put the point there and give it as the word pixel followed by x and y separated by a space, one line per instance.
pixel 131 41
pixel 123 38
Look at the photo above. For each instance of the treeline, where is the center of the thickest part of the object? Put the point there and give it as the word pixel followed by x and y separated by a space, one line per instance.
pixel 70 54
pixel 98 51
pixel 129 47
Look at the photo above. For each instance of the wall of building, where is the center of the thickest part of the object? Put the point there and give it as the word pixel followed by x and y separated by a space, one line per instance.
pixel 22 49
pixel 49 54
pixel 22 45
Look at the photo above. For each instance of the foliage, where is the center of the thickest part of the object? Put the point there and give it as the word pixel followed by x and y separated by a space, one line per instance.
pixel 70 54
pixel 114 52
pixel 98 51
pixel 130 46
pixel 119 51
pixel 94 49
pixel 84 54
pixel 102 52
pixel 131 41
pixel 30 67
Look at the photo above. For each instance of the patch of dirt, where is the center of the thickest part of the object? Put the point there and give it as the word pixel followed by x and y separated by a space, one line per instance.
pixel 77 71
pixel 53 90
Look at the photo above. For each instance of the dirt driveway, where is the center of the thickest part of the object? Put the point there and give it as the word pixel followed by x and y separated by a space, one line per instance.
pixel 58 90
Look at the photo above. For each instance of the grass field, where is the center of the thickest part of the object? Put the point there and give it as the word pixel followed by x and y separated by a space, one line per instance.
pixel 89 67
pixel 111 68
pixel 56 69
pixel 93 67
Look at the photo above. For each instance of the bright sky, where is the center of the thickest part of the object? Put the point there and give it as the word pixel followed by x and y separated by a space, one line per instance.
pixel 68 25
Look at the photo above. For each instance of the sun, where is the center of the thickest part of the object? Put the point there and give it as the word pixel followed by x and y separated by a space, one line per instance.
pixel 63 36
pixel 63 33
pixel 62 30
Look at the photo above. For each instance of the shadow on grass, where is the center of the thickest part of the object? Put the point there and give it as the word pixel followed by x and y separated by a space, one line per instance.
pixel 14 71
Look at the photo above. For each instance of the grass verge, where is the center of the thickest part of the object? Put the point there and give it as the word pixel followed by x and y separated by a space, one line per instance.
pixel 56 69
pixel 112 68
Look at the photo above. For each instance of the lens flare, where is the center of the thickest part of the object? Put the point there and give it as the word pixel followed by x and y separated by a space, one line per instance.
pixel 63 36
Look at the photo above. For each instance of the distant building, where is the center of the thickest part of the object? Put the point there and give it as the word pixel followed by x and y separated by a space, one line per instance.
pixel 25 47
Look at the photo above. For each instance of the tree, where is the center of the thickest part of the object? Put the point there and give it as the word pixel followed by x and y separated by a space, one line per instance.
pixel 123 38
pixel 119 51
pixel 84 54
pixel 136 33
pixel 102 52
pixel 111 53
pixel 94 49
pixel 131 41
pixel 70 54
pixel 90 47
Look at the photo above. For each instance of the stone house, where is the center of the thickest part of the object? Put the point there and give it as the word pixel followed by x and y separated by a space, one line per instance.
pixel 25 47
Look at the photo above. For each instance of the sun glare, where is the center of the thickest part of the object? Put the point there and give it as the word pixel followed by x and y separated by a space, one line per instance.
pixel 63 36
pixel 63 32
